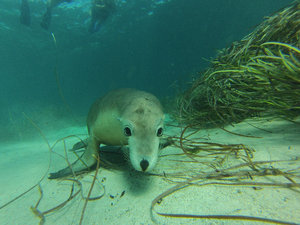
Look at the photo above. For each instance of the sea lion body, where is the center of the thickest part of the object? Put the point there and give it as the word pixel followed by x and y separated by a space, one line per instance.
pixel 125 117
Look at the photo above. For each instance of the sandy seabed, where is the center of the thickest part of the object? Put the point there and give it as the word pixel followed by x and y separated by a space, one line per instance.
pixel 127 195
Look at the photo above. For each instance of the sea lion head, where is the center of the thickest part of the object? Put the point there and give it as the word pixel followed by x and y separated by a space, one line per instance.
pixel 143 127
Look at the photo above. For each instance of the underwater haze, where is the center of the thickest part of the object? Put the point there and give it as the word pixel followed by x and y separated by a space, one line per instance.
pixel 153 45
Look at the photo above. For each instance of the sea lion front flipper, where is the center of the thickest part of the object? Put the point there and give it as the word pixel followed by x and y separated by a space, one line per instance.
pixel 84 163
pixel 79 145
pixel 60 174
pixel 68 172
pixel 165 142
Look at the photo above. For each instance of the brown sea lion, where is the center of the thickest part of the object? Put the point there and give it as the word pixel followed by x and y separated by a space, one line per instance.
pixel 123 117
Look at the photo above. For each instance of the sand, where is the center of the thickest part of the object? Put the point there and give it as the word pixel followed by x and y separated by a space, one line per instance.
pixel 22 164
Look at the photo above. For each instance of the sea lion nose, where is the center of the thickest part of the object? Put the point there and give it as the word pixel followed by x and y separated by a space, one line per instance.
pixel 144 165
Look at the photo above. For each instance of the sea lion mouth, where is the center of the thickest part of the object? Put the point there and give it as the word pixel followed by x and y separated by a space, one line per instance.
pixel 143 152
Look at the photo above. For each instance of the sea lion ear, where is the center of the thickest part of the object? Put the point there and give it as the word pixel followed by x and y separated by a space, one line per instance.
pixel 119 118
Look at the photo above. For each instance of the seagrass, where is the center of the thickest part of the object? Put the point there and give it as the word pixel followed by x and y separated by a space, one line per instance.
pixel 256 76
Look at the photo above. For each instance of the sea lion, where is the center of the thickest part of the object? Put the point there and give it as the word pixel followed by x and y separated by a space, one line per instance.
pixel 123 117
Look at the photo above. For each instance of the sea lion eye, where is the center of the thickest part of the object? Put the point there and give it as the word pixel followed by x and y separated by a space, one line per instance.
pixel 159 132
pixel 127 131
